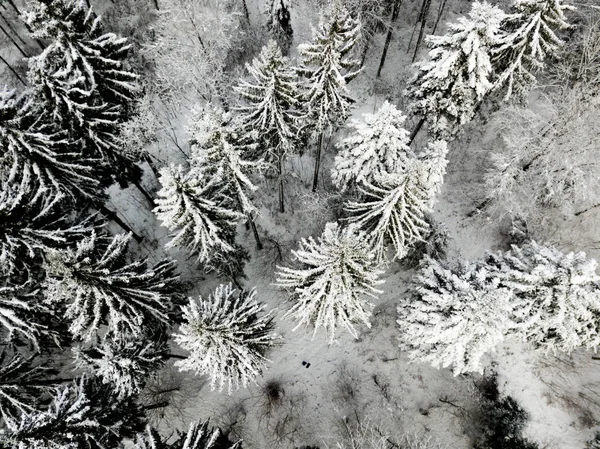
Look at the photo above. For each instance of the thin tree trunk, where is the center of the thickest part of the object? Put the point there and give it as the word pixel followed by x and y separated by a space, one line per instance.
pixel 10 27
pixel 422 30
pixel 246 13
pixel 156 5
pixel 87 2
pixel 317 162
pixel 148 159
pixel 388 37
pixel 145 193
pixel 176 356
pixel 416 130
pixel 14 7
pixel 12 70
pixel 280 167
pixel 419 19
pixel 160 404
pixel 114 217
pixel 259 244
pixel 14 42
pixel 440 12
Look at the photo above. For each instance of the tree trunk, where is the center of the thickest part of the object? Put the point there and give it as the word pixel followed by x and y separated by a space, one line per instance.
pixel 14 7
pixel 259 244
pixel 114 217
pixel 246 13
pixel 25 55
pixel 148 159
pixel 440 12
pixel 145 193
pixel 160 404
pixel 419 19
pixel 156 5
pixel 280 167
pixel 422 30
pixel 416 131
pixel 14 32
pixel 317 162
pixel 388 37
pixel 87 2
pixel 12 70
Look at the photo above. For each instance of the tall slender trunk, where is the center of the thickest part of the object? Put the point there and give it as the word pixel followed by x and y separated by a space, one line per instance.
pixel 145 193
pixel 14 42
pixel 317 162
pixel 151 163
pixel 10 27
pixel 156 4
pixel 114 217
pixel 419 20
pixel 259 244
pixel 422 30
pixel 280 168
pixel 440 12
pixel 14 7
pixel 416 131
pixel 246 13
pixel 14 72
pixel 388 37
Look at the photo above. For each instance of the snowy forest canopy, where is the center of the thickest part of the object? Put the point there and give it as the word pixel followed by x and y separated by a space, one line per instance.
pixel 187 185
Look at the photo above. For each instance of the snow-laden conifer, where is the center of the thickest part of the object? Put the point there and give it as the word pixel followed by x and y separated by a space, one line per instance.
pixel 533 292
pixel 455 316
pixel 336 276
pixel 393 207
pixel 198 436
pixel 376 146
pixel 529 37
pixel 328 65
pixel 82 414
pixel 123 364
pixel 20 310
pixel 36 151
pixel 98 286
pixel 194 206
pixel 226 338
pixel 279 23
pixel 447 89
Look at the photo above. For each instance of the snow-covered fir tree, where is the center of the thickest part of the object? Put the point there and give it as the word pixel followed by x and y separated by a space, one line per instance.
pixel 96 285
pixel 337 275
pixel 271 113
pixel 376 146
pixel 393 207
pixel 194 205
pixel 455 316
pixel 447 90
pixel 37 152
pixel 123 364
pixel 20 311
pixel 560 295
pixel 83 414
pixel 279 23
pixel 81 79
pixel 226 338
pixel 199 436
pixel 533 292
pixel 529 37
pixel 328 65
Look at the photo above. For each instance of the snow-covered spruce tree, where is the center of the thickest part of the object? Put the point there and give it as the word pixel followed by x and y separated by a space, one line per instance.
pixel 81 79
pixel 190 48
pixel 455 316
pixel 328 65
pixel 96 285
pixel 83 414
pixel 37 151
pixel 338 272
pixel 376 146
pixel 226 338
pixel 279 24
pixel 198 436
pixel 447 90
pixel 529 37
pixel 194 206
pixel 30 224
pixel 393 207
pixel 560 295
pixel 20 311
pixel 123 364
pixel 271 113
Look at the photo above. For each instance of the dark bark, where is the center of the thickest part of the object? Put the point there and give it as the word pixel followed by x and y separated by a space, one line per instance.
pixel 14 32
pixel 259 244
pixel 156 5
pixel 160 404
pixel 14 42
pixel 145 193
pixel 14 7
pixel 151 163
pixel 317 162
pixel 416 131
pixel 440 12
pixel 388 37
pixel 422 30
pixel 14 72
pixel 114 217
pixel 246 13
pixel 280 168
pixel 419 18
pixel 176 356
